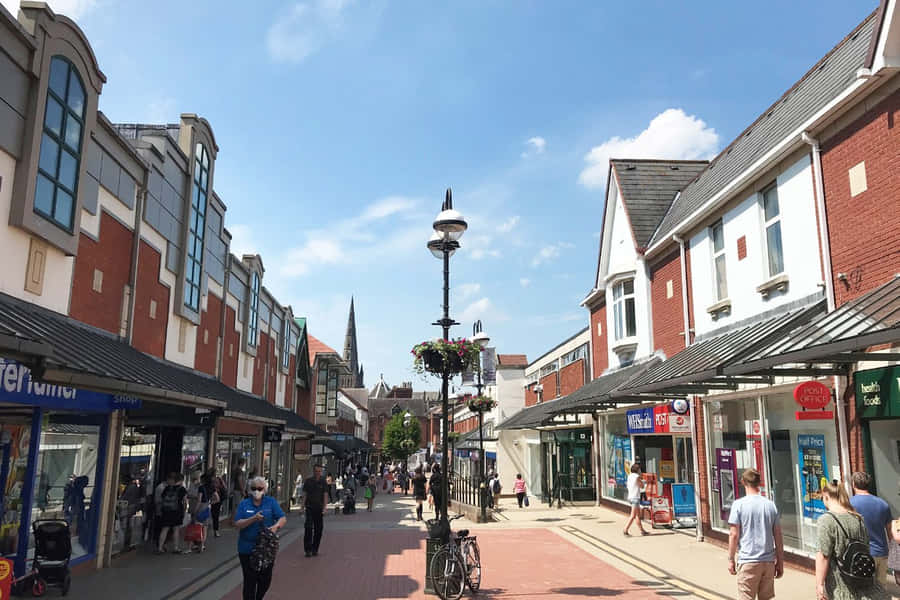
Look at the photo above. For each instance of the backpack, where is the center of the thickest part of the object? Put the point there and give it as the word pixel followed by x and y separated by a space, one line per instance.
pixel 856 565
pixel 495 486
pixel 263 555
pixel 170 501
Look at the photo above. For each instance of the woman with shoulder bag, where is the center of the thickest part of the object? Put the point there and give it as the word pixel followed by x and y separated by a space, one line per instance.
pixel 254 547
pixel 844 569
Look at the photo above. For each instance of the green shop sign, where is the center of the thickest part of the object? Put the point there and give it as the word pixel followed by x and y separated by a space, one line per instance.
pixel 878 392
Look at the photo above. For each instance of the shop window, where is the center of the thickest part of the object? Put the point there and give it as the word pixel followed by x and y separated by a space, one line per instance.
pixel 618 457
pixel 193 452
pixel 16 437
pixel 731 449
pixel 60 154
pixel 772 217
pixel 623 309
pixel 196 230
pixel 136 467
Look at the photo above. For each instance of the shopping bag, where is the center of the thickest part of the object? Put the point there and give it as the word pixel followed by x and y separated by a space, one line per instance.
pixel 195 532
pixel 526 501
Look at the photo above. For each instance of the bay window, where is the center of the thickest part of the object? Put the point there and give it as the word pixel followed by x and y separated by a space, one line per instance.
pixel 623 309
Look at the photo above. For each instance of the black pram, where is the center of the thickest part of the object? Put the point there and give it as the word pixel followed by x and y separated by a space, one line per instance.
pixel 52 552
pixel 349 502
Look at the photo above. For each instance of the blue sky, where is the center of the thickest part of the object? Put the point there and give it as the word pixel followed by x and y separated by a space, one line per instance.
pixel 340 123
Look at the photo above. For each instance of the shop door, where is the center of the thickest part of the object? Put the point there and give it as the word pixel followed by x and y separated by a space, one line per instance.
pixel 781 467
pixel 885 436
pixel 566 465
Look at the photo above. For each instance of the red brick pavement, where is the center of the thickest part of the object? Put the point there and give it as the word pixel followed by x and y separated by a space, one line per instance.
pixel 390 563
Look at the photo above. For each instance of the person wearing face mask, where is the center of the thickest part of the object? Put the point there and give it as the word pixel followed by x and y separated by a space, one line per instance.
pixel 253 513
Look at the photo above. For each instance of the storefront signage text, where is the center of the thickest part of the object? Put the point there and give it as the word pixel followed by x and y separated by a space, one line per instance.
pixel 878 392
pixel 17 386
pixel 657 419
pixel 272 434
pixel 640 420
pixel 813 397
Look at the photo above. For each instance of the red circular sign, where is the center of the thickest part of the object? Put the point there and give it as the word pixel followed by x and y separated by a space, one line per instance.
pixel 812 395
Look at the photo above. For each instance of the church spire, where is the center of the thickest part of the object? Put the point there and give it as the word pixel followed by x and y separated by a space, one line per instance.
pixel 351 353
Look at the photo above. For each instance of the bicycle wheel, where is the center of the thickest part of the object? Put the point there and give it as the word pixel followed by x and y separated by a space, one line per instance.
pixel 472 558
pixel 447 574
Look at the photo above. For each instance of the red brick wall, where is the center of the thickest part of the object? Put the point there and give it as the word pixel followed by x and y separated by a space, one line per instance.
pixel 231 349
pixel 233 427
pixel 531 396
pixel 549 384
pixel 272 389
pixel 668 313
pixel 599 346
pixel 305 406
pixel 289 383
pixel 259 364
pixel 864 230
pixel 150 334
pixel 112 256
pixel 571 377
pixel 210 321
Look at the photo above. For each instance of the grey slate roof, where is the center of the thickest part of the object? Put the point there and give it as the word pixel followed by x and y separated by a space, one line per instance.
pixel 648 188
pixel 821 84
pixel 83 349
pixel 530 417
pixel 706 359
pixel 600 389
pixel 869 320
pixel 417 405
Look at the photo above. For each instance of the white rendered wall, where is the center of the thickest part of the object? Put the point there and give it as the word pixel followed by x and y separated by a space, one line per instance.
pixel 14 247
pixel 802 261
pixel 519 451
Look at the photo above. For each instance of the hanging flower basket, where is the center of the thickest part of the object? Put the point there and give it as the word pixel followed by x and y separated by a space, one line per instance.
pixel 445 356
pixel 480 404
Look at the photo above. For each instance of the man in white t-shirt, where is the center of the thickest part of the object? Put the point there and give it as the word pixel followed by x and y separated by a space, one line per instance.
pixel 755 537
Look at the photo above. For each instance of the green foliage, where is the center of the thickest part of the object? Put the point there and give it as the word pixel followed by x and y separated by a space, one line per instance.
pixel 396 433
pixel 456 355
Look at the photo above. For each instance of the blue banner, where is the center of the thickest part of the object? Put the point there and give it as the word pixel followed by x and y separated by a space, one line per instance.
pixel 683 500
pixel 17 386
pixel 640 420
pixel 812 471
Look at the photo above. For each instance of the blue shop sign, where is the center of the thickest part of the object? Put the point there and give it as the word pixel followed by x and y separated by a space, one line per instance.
pixel 640 420
pixel 17 386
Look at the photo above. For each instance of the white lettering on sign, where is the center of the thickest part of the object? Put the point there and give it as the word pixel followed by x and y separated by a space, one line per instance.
pixel 661 419
pixel 16 378
pixel 636 421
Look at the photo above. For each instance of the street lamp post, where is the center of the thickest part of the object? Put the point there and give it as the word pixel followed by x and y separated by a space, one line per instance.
pixel 482 339
pixel 449 227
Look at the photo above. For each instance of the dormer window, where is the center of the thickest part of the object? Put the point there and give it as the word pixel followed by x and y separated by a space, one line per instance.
pixel 623 309
pixel 253 313
pixel 197 228
pixel 60 157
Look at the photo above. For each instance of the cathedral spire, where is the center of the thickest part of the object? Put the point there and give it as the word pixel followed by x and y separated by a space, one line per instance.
pixel 351 353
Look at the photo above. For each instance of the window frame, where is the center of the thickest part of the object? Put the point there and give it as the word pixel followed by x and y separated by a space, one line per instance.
pixel 253 311
pixel 547 369
pixel 578 353
pixel 321 390
pixel 286 343
pixel 715 256
pixel 620 310
pixel 767 224
pixel 62 144
pixel 196 229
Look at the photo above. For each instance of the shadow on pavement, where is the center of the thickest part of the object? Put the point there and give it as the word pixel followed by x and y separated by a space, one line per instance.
pixel 586 591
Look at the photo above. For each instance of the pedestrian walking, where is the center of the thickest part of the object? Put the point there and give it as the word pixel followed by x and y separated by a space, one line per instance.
pixel 238 482
pixel 216 498
pixel 755 538
pixel 876 514
pixel 252 514
pixel 172 510
pixel 635 485
pixel 435 490
pixel 370 492
pixel 315 490
pixel 838 530
pixel 519 489
pixel 496 488
pixel 419 482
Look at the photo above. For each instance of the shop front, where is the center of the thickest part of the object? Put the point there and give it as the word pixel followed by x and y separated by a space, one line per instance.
pixel 277 464
pixel 238 455
pixel 795 451
pixel 53 445
pixel 878 408
pixel 567 464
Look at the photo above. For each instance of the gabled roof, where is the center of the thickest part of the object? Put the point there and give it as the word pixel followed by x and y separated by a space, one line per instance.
pixel 648 188
pixel 512 360
pixel 381 389
pixel 358 396
pixel 317 347
pixel 819 86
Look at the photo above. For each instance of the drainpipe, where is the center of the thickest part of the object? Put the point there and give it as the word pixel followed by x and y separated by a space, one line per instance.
pixel 597 457
pixel 830 298
pixel 823 222
pixel 684 298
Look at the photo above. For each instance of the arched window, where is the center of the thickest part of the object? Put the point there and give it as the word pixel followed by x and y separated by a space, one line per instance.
pixel 253 313
pixel 60 157
pixel 197 228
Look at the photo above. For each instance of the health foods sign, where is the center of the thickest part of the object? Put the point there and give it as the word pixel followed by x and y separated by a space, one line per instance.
pixel 878 392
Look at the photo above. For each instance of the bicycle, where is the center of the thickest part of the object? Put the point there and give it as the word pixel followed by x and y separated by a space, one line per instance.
pixel 456 564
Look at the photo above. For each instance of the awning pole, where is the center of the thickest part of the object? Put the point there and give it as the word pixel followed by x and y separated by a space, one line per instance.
pixel 842 432
pixel 694 416
pixel 597 441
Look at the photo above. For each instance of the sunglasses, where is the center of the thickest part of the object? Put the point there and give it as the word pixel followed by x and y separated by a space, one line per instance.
pixel 257 489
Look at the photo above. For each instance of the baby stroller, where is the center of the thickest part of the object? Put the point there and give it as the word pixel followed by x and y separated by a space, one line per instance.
pixel 52 551
pixel 349 502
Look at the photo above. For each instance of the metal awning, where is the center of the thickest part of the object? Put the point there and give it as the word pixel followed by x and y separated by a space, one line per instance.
pixel 597 394
pixel 701 366
pixel 530 417
pixel 833 341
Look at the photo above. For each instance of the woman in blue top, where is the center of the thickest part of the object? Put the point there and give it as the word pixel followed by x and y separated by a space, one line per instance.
pixel 252 513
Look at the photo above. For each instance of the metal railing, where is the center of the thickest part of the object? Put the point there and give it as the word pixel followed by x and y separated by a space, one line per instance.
pixel 465 490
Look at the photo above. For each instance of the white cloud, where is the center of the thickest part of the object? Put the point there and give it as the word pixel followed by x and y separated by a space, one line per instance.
pixel 389 206
pixel 672 134
pixel 524 282
pixel 467 290
pixel 70 8
pixel 478 247
pixel 549 253
pixel 305 28
pixel 509 224
pixel 536 145
pixel 482 308
pixel 242 241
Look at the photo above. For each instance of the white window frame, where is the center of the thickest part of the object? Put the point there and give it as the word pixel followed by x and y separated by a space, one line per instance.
pixel 620 313
pixel 549 368
pixel 716 255
pixel 767 223
pixel 285 343
pixel 570 357
pixel 253 312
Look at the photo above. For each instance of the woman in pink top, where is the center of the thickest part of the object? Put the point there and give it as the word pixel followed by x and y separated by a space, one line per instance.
pixel 519 489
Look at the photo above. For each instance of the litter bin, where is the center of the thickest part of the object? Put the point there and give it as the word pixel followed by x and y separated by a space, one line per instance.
pixel 437 537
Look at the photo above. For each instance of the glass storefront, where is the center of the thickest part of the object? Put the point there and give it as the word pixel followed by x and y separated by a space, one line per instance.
pixel 793 456
pixel 15 435
pixel 878 408
pixel 230 449
pixel 617 466
pixel 567 463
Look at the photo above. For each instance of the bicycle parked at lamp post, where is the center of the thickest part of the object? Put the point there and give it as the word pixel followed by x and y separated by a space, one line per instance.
pixel 456 564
